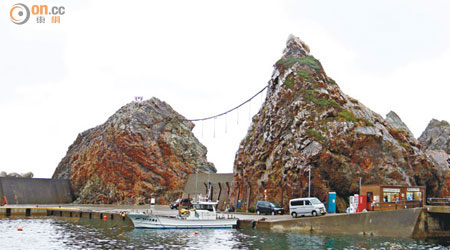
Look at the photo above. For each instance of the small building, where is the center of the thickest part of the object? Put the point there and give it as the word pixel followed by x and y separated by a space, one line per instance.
pixel 391 197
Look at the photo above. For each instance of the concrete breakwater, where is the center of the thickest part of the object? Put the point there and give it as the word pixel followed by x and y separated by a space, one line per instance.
pixel 98 218
pixel 35 191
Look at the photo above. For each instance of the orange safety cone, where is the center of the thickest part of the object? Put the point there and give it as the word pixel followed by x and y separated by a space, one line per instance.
pixel 19 229
pixel 105 217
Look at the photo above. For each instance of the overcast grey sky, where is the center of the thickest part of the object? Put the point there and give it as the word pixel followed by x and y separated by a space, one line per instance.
pixel 203 57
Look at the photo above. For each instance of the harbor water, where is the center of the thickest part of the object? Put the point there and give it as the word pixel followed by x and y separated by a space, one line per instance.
pixel 59 233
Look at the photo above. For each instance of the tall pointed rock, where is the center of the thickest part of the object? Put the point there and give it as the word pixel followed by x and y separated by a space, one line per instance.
pixel 307 122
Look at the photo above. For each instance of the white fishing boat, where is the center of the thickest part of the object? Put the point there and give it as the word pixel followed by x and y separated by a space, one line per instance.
pixel 203 215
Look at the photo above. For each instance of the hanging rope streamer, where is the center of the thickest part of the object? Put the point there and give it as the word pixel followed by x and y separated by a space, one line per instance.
pixel 262 100
pixel 225 124
pixel 214 136
pixel 250 111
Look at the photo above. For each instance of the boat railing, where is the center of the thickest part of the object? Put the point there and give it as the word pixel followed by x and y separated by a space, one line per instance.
pixel 401 204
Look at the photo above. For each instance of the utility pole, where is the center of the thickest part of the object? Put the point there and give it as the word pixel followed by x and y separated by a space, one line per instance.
pixel 360 180
pixel 309 182
pixel 196 181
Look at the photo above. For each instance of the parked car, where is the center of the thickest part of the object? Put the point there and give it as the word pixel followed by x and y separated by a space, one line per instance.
pixel 185 203
pixel 306 206
pixel 174 204
pixel 269 207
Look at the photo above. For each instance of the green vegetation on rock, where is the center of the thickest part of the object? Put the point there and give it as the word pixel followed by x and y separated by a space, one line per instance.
pixel 305 75
pixel 307 60
pixel 289 83
pixel 323 102
pixel 347 115
pixel 317 135
pixel 368 123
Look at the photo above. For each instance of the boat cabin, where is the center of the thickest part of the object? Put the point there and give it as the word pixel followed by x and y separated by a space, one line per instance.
pixel 209 206
pixel 200 211
pixel 391 197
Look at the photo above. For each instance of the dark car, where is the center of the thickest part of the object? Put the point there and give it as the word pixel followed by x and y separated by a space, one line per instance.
pixel 185 203
pixel 269 207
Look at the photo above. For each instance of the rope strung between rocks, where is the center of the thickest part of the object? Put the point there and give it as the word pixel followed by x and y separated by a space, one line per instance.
pixel 228 111
pixel 211 117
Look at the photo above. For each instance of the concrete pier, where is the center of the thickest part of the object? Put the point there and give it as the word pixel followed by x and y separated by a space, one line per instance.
pixel 426 222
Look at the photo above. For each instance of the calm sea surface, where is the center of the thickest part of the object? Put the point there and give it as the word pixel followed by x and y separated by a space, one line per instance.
pixel 45 233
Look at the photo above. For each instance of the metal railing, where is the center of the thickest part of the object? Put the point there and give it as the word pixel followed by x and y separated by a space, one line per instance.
pixel 402 204
pixel 438 201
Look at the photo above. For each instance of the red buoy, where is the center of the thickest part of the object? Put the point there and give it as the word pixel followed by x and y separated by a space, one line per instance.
pixel 19 229
pixel 195 233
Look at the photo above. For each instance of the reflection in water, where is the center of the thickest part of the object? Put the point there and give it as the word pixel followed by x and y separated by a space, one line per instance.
pixel 45 233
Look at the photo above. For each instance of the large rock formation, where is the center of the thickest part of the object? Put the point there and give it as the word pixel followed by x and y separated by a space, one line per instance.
pixel 436 142
pixel 306 121
pixel 144 150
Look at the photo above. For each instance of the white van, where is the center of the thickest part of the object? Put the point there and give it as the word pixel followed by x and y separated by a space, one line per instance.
pixel 306 206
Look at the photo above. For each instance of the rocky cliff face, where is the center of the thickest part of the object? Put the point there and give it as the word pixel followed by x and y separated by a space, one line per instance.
pixel 436 142
pixel 436 136
pixel 307 122
pixel 395 121
pixel 144 150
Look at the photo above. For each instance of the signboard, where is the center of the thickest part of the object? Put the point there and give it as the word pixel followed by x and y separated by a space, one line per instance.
pixel 414 189
pixel 391 190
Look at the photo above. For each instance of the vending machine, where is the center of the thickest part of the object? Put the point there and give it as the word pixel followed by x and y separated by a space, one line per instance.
pixel 362 203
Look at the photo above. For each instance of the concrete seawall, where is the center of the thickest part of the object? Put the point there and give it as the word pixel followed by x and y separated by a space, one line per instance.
pixel 83 216
pixel 417 223
pixel 35 191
